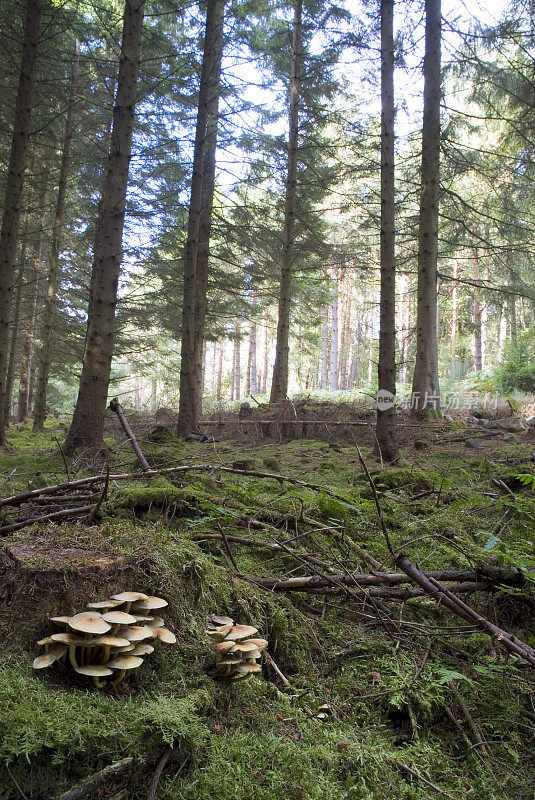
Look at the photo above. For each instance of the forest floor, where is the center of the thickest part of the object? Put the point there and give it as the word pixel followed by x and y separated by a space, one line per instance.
pixel 385 698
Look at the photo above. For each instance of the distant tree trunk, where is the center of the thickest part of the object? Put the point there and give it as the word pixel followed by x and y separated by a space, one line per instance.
pixel 345 340
pixel 88 420
pixel 253 386
pixel 221 355
pixel 236 360
pixel 478 352
pixel 484 324
pixel 324 380
pixel 29 327
pixel 14 182
pixel 200 209
pixel 502 336
pixel 15 320
pixel 425 387
pixel 333 356
pixel 266 356
pixel 513 327
pixel 279 384
pixel 386 428
pixel 454 305
pixel 39 413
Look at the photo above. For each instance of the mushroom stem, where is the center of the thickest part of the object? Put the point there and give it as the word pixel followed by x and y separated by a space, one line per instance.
pixel 119 677
pixel 106 655
pixel 98 683
pixel 72 656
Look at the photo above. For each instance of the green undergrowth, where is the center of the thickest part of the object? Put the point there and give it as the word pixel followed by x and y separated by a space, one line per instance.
pixel 387 673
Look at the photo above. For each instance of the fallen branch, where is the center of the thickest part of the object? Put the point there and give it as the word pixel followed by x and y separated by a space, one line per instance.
pixel 315 582
pixel 118 409
pixel 88 785
pixel 67 513
pixel 383 593
pixel 421 778
pixel 444 596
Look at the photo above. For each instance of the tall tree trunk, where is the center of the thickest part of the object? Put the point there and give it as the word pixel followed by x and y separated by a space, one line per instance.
pixel 279 384
pixel 29 327
pixel 15 320
pixel 15 179
pixel 88 420
pixel 513 327
pixel 266 356
pixel 50 297
pixel 237 364
pixel 253 386
pixel 478 350
pixel 454 314
pixel 425 387
pixel 189 402
pixel 221 355
pixel 386 428
pixel 324 379
pixel 333 356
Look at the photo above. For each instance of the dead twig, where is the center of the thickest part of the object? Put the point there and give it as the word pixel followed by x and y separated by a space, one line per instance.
pixel 86 787
pixel 118 409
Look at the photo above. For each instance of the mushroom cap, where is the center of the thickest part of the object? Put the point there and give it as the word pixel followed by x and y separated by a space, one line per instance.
pixel 46 640
pixel 125 662
pixel 118 618
pixel 69 638
pixel 261 644
pixel 60 620
pixel 228 661
pixel 129 597
pixel 245 647
pixel 105 604
pixel 150 603
pixel 223 647
pixel 164 635
pixel 94 670
pixel 136 633
pixel 89 622
pixel 247 668
pixel 140 618
pixel 55 652
pixel 157 622
pixel 110 641
pixel 240 632
pixel 217 620
pixel 141 649
pixel 218 633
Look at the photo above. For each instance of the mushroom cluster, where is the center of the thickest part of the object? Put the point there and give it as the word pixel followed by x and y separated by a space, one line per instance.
pixel 236 655
pixel 109 639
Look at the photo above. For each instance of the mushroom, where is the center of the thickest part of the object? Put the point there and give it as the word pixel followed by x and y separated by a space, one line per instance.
pixel 56 652
pixel 141 649
pixel 216 620
pixel 164 635
pixel 124 663
pixel 136 633
pixel 60 620
pixel 150 604
pixel 104 604
pixel 240 632
pixel 89 622
pixel 128 598
pixel 95 671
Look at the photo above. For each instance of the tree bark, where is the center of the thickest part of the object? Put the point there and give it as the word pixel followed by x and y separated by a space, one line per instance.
pixel 28 342
pixel 386 428
pixel 454 309
pixel 253 386
pixel 425 387
pixel 14 183
pixel 199 213
pixel 324 377
pixel 279 384
pixel 88 420
pixel 15 320
pixel 478 350
pixel 50 297
pixel 333 356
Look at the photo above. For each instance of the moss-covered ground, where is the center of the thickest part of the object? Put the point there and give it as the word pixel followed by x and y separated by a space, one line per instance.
pixel 419 704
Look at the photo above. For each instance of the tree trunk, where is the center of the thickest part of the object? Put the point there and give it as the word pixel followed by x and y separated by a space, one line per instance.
pixel 253 386
pixel 28 342
pixel 386 429
pixel 324 379
pixel 279 384
pixel 512 298
pixel 425 387
pixel 207 202
pixel 15 179
pixel 15 319
pixel 454 310
pixel 50 297
pixel 333 356
pixel 220 367
pixel 478 351
pixel 195 283
pixel 88 420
